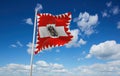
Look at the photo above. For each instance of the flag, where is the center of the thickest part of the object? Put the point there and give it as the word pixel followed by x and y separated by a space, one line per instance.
pixel 52 30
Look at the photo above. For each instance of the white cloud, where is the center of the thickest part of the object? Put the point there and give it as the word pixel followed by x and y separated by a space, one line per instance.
pixel 118 25
pixel 105 14
pixel 82 42
pixel 57 66
pixel 28 21
pixel 29 49
pixel 44 68
pixel 105 50
pixel 88 56
pixel 109 4
pixel 107 69
pixel 13 45
pixel 75 41
pixel 39 7
pixel 75 34
pixel 29 45
pixel 40 68
pixel 16 44
pixel 87 22
pixel 112 10
pixel 42 64
pixel 14 70
pixel 19 43
pixel 115 10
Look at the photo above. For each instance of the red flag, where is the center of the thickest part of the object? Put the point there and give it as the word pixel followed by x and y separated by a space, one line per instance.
pixel 52 30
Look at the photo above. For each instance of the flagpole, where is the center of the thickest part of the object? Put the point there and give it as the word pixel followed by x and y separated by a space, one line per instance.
pixel 33 41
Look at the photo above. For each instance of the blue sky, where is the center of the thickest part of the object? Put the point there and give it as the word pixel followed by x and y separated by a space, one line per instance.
pixel 94 50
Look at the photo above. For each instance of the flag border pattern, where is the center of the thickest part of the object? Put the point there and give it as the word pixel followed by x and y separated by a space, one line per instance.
pixel 41 46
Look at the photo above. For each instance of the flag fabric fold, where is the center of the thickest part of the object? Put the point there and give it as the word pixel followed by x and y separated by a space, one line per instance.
pixel 52 30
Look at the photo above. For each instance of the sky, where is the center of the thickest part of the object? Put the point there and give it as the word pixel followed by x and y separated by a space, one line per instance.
pixel 93 51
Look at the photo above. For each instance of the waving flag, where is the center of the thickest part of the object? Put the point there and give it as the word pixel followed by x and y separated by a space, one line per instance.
pixel 52 31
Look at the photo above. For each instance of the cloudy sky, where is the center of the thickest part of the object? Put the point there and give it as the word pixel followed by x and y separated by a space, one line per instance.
pixel 94 50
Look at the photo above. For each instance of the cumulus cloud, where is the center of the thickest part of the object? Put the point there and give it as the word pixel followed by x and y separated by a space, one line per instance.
pixel 14 70
pixel 75 34
pixel 75 41
pixel 108 69
pixel 82 42
pixel 44 68
pixel 42 64
pixel 105 50
pixel 28 21
pixel 118 25
pixel 87 22
pixel 40 68
pixel 88 56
